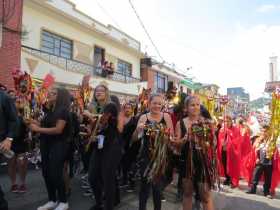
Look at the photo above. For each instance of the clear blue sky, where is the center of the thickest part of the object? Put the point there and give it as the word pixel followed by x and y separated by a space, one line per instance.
pixel 227 42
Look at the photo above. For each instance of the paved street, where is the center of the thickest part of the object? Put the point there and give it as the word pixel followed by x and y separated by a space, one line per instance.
pixel 36 195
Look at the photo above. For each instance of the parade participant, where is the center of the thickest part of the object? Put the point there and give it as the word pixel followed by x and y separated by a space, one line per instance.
pixel 146 124
pixel 229 155
pixel 19 161
pixel 105 158
pixel 245 143
pixel 263 165
pixel 130 150
pixel 100 98
pixel 195 137
pixel 8 126
pixel 54 130
pixel 106 154
pixel 24 91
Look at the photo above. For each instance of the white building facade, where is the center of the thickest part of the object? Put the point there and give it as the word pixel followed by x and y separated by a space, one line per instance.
pixel 69 44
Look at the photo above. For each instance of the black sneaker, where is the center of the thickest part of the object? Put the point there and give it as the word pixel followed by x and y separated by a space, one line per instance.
pixel 227 182
pixel 252 191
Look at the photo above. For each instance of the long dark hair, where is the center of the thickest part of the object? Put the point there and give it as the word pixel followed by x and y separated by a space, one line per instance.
pixel 116 101
pixel 112 109
pixel 63 99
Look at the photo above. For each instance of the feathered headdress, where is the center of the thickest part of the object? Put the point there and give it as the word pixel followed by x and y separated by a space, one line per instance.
pixel 22 79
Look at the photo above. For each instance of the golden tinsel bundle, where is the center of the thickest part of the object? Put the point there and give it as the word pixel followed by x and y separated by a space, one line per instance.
pixel 274 128
pixel 159 137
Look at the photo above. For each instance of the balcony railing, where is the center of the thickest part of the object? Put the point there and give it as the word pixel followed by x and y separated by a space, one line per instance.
pixel 77 66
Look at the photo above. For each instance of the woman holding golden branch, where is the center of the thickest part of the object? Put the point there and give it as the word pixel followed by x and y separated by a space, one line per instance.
pixel 155 130
pixel 195 138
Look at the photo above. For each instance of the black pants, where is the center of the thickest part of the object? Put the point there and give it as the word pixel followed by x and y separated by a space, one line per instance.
pixel 267 171
pixel 3 202
pixel 145 188
pixel 102 175
pixel 86 154
pixel 53 158
pixel 224 162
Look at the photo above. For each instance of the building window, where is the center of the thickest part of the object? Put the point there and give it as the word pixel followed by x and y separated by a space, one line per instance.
pixel 124 68
pixel 56 45
pixel 99 56
pixel 160 82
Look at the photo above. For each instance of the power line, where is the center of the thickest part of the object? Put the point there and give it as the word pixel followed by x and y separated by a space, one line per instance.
pixel 108 14
pixel 145 29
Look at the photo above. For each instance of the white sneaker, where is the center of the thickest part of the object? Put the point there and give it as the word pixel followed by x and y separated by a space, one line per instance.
pixel 62 206
pixel 48 206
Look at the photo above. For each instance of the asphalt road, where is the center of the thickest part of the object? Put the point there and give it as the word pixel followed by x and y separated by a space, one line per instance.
pixel 230 199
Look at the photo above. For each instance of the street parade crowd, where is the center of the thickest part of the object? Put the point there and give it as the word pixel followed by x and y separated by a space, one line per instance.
pixel 133 145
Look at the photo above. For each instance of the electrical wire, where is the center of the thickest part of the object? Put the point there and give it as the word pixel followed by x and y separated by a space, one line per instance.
pixel 145 29
pixel 108 14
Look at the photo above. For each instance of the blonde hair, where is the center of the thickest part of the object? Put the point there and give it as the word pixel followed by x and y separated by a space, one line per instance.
pixel 155 95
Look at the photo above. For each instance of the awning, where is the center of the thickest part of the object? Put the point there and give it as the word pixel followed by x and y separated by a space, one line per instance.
pixel 190 84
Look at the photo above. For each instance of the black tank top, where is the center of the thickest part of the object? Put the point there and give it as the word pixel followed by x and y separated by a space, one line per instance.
pixel 146 139
pixel 162 121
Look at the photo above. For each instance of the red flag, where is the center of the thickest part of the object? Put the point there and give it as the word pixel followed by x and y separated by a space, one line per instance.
pixel 48 81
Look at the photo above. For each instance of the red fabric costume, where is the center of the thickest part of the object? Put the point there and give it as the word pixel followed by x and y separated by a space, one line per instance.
pixel 245 147
pixel 233 153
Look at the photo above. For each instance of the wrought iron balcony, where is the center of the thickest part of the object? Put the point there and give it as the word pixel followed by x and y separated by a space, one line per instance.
pixel 77 66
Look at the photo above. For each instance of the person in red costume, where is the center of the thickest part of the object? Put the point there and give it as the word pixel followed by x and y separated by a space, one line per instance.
pixel 228 151
pixel 245 144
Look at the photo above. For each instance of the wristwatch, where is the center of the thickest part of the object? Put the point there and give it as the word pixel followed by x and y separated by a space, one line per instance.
pixel 10 139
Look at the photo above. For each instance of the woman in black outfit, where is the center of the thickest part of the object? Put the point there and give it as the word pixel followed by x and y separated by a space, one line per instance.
pixel 54 132
pixel 130 150
pixel 105 157
pixel 198 154
pixel 154 116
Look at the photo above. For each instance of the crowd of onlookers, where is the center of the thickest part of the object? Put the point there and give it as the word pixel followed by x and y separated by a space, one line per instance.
pixel 59 142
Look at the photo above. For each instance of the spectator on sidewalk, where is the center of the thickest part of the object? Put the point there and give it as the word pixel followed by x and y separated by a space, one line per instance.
pixel 18 163
pixel 8 125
